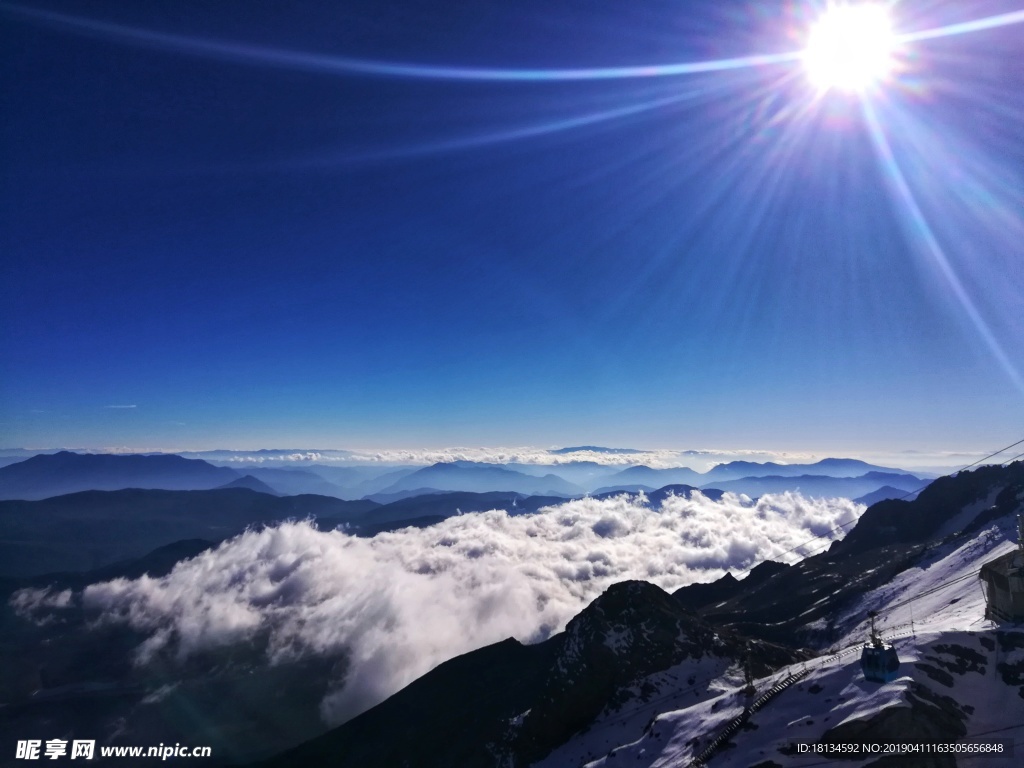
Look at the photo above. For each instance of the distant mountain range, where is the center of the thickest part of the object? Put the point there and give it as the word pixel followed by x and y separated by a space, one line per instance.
pixel 71 530
pixel 444 505
pixel 828 467
pixel 593 449
pixel 818 485
pixel 90 529
pixel 655 477
pixel 294 481
pixel 46 475
pixel 472 476
pixel 885 492
pixel 252 483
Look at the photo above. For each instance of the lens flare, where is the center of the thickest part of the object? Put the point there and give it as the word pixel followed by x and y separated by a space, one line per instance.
pixel 850 48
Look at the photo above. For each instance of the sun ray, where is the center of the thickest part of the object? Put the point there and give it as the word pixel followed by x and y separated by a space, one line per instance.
pixel 342 65
pixel 976 25
pixel 329 64
pixel 500 137
pixel 926 239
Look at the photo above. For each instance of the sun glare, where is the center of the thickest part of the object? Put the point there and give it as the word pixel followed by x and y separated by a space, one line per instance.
pixel 850 47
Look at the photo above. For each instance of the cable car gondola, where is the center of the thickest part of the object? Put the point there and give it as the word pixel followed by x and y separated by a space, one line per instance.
pixel 878 661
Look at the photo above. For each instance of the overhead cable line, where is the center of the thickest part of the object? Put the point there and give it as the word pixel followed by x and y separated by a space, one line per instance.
pixel 840 527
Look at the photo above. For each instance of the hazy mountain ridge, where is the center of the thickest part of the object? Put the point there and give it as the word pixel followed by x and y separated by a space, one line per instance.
pixel 46 475
pixel 593 449
pixel 89 529
pixel 883 493
pixel 54 474
pixel 821 485
pixel 252 483
pixel 832 467
pixel 471 476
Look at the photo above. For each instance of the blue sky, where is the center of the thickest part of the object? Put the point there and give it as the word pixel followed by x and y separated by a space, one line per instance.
pixel 253 253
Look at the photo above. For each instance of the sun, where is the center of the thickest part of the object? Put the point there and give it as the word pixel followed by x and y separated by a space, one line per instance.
pixel 850 47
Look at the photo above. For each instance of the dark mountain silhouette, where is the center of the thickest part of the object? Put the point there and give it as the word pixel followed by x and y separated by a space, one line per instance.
pixel 898 522
pixel 738 471
pixel 157 563
pixel 593 449
pixel 481 478
pixel 55 474
pixel 608 491
pixel 735 470
pixel 883 493
pixel 582 473
pixel 90 529
pixel 655 478
pixel 345 477
pixel 818 485
pixel 445 505
pixel 250 482
pixel 380 482
pixel 388 498
pixel 293 482
pixel 656 497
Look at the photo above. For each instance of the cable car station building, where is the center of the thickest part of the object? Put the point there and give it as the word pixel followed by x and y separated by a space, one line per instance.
pixel 1003 580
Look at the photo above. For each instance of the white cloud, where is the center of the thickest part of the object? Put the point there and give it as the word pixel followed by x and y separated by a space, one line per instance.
pixel 37 605
pixel 700 460
pixel 400 603
pixel 306 456
pixel 120 406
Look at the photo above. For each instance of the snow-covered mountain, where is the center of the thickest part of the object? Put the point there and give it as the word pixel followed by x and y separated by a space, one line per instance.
pixel 961 679
pixel 510 704
pixel 641 679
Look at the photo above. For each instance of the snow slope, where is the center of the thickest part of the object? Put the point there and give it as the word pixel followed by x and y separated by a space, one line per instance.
pixel 952 659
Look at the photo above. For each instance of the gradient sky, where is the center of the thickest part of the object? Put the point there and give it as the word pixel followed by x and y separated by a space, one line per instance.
pixel 257 250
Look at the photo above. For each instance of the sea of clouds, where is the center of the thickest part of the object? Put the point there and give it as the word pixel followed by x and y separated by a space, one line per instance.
pixel 398 604
pixel 699 460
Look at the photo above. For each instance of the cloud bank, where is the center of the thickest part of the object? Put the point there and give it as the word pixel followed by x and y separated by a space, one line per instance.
pixel 400 603
pixel 699 460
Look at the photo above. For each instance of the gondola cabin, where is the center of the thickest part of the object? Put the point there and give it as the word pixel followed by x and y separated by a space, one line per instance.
pixel 878 661
pixel 1003 580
